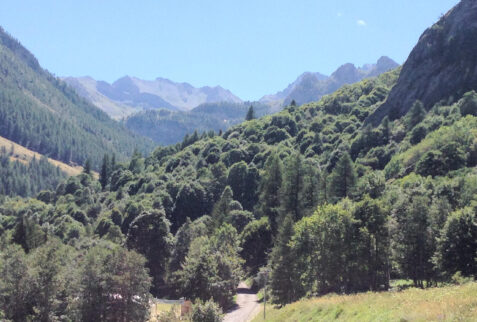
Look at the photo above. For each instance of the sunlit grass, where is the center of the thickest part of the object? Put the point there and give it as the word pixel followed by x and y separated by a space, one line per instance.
pixel 451 303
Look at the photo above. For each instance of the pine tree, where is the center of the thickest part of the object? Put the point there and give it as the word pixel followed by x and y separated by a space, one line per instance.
pixel 105 172
pixel 269 199
pixel 311 187
pixel 250 114
pixel 221 209
pixel 343 178
pixel 87 166
pixel 292 188
pixel 282 278
pixel 415 115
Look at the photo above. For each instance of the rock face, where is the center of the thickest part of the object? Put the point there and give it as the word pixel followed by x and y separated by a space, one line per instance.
pixel 442 66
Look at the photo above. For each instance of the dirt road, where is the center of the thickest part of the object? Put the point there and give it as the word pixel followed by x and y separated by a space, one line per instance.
pixel 247 306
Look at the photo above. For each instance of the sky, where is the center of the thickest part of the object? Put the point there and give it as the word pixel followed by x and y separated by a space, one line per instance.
pixel 251 47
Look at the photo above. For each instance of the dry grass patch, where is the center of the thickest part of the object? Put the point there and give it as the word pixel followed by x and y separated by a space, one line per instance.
pixel 25 155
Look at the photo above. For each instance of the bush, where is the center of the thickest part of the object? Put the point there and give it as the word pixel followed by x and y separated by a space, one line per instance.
pixel 206 312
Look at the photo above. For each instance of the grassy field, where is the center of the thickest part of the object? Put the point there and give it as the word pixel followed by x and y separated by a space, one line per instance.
pixel 451 303
pixel 24 155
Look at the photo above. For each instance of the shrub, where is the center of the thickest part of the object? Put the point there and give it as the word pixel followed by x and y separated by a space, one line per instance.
pixel 207 311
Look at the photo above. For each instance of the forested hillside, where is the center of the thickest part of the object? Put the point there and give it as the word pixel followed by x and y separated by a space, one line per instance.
pixel 170 127
pixel 41 113
pixel 316 199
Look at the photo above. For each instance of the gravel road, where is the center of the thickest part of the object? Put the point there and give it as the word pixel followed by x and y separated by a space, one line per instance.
pixel 247 305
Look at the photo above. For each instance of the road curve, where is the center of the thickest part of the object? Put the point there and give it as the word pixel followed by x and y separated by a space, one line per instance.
pixel 247 306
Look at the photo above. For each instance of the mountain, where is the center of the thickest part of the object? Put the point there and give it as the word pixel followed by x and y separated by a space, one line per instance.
pixel 86 87
pixel 43 114
pixel 311 87
pixel 131 94
pixel 282 95
pixel 442 66
pixel 170 127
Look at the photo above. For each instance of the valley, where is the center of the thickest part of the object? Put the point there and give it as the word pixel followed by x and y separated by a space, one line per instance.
pixel 348 197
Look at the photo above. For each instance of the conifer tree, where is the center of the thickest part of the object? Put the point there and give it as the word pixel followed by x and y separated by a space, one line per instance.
pixel 221 209
pixel 87 166
pixel 282 280
pixel 343 178
pixel 105 172
pixel 269 200
pixel 250 114
pixel 292 188
pixel 416 114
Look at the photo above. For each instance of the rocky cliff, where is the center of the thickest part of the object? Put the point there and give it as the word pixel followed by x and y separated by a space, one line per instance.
pixel 442 66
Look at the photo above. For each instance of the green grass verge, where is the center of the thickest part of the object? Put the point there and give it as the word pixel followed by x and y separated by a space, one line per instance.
pixel 450 303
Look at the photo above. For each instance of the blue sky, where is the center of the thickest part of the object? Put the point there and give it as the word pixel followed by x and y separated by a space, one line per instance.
pixel 252 47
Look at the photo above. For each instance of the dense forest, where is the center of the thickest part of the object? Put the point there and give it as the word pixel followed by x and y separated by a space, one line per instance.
pixel 29 178
pixel 41 113
pixel 316 199
pixel 167 127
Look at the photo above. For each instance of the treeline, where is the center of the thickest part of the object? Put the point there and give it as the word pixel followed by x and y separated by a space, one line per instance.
pixel 27 179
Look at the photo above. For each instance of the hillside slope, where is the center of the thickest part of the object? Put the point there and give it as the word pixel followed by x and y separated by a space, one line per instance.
pixel 43 114
pixel 170 127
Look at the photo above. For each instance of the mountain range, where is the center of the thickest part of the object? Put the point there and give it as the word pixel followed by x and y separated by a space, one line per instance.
pixel 310 87
pixel 131 94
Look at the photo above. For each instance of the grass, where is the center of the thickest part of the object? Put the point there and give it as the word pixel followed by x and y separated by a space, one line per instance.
pixel 450 303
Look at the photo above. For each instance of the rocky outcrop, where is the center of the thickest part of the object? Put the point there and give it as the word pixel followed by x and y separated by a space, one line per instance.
pixel 442 66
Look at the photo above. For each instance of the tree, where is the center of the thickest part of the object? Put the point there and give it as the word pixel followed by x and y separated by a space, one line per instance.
pixel 283 280
pixel 292 187
pixel 269 200
pixel 149 235
pixel 105 172
pixel 28 233
pixel 212 268
pixel 50 280
pixel 343 178
pixel 373 255
pixel 87 166
pixel 323 247
pixel 311 187
pixel 250 114
pixel 468 104
pixel 15 287
pixel 412 239
pixel 256 242
pixel 244 183
pixel 114 285
pixel 191 201
pixel 416 114
pixel 221 209
pixel 457 245
pixel 207 311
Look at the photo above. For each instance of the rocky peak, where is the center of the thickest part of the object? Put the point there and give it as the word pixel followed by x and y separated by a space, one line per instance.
pixel 442 66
